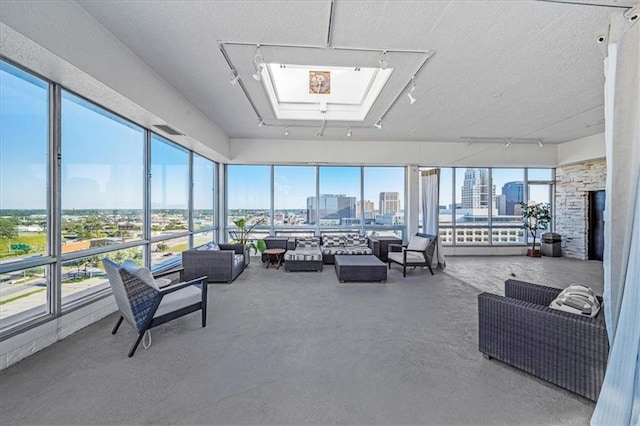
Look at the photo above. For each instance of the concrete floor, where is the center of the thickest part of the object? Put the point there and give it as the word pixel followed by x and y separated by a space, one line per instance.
pixel 302 348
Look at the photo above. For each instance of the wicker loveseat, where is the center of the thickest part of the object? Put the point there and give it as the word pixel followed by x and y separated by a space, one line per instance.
pixel 520 329
pixel 220 266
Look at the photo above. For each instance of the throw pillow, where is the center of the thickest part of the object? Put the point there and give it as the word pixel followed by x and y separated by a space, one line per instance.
pixel 141 272
pixel 418 243
pixel 577 299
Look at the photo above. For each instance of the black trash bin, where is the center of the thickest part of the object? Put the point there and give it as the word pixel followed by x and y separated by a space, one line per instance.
pixel 551 244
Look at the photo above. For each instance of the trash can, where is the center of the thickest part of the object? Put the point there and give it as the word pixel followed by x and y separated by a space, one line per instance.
pixel 551 244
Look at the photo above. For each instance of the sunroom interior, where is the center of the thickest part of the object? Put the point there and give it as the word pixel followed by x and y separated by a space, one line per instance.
pixel 142 129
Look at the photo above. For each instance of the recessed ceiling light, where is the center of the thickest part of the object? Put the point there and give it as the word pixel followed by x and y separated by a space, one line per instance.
pixel 349 132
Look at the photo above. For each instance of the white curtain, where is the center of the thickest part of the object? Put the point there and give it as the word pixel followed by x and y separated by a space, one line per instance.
pixel 619 401
pixel 430 184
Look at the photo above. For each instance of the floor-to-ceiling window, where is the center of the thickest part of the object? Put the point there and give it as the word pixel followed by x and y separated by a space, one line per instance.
pixel 307 200
pixel 383 207
pixel 24 200
pixel 204 172
pixel 101 192
pixel 249 197
pixel 169 200
pixel 481 206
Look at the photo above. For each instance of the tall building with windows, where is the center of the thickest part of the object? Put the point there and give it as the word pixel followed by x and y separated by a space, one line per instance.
pixel 513 193
pixel 330 209
pixel 389 202
pixel 475 189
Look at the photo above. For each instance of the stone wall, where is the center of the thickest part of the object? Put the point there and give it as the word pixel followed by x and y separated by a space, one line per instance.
pixel 573 183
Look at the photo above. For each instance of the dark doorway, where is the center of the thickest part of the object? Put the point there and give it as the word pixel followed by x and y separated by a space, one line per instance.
pixel 596 225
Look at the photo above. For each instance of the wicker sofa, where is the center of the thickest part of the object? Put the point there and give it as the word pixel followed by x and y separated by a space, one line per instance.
pixel 220 266
pixel 563 348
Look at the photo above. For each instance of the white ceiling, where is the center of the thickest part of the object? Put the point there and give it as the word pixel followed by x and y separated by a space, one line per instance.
pixel 506 69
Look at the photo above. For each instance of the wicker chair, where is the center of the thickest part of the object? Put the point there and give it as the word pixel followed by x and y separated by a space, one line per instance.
pixel 145 306
pixel 563 348
pixel 220 266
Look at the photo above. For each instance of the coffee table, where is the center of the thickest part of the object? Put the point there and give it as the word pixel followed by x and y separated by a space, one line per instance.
pixel 357 267
pixel 274 254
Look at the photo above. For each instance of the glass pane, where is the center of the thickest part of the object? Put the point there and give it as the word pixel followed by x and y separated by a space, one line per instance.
pixel 85 276
pixel 24 105
pixel 169 187
pixel 292 186
pixel 249 194
pixel 166 253
pixel 540 174
pixel 102 177
pixel 539 194
pixel 383 195
pixel 23 295
pixel 398 233
pixel 446 197
pixel 203 238
pixel 203 196
pixel 473 196
pixel 339 193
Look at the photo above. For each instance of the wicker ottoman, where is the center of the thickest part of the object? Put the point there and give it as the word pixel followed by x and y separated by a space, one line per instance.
pixel 303 259
pixel 360 268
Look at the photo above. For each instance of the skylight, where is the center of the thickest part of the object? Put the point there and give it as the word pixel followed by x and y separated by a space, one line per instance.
pixel 302 92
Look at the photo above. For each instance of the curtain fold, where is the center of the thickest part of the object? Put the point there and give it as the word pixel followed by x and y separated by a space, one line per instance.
pixel 430 184
pixel 619 400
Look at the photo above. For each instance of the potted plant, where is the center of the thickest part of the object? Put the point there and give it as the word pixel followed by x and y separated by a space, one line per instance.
pixel 535 216
pixel 242 235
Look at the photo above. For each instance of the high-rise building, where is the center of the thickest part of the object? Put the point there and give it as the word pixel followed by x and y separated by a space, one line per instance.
pixel 389 202
pixel 475 189
pixel 368 209
pixel 514 194
pixel 330 209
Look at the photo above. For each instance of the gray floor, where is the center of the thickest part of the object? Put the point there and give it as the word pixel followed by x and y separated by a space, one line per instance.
pixel 301 348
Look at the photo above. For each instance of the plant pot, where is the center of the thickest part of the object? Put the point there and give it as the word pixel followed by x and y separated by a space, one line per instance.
pixel 533 253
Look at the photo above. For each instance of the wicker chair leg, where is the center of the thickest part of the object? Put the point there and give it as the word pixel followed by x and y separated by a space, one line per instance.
pixel 117 326
pixel 135 345
pixel 430 270
pixel 204 314
pixel 404 270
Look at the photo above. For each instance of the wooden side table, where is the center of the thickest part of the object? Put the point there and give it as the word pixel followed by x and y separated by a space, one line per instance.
pixel 384 245
pixel 274 254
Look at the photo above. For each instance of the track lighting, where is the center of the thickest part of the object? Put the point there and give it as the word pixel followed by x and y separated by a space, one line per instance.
pixel 286 131
pixel 540 144
pixel 383 62
pixel 349 132
pixel 508 143
pixel 234 80
pixel 261 123
pixel 413 87
pixel 379 124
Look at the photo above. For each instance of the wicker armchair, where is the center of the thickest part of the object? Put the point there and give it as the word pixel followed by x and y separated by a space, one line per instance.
pixel 563 348
pixel 220 266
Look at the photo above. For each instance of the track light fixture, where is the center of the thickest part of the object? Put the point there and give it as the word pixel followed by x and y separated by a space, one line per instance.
pixel 349 132
pixel 508 143
pixel 413 87
pixel 540 144
pixel 234 80
pixel 261 122
pixel 379 124
pixel 257 76
pixel 258 62
pixel 383 62
pixel 286 131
